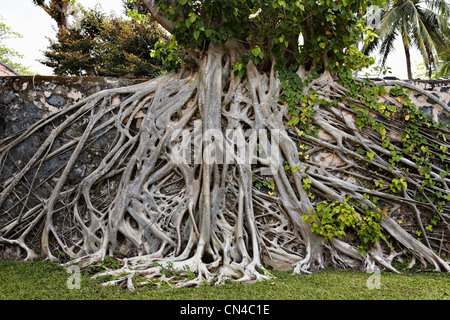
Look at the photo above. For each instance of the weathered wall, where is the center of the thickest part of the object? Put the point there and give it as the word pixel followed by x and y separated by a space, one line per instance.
pixel 24 100
pixel 440 89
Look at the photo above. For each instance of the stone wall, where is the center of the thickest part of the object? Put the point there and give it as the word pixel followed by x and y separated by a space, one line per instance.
pixel 26 99
pixel 441 90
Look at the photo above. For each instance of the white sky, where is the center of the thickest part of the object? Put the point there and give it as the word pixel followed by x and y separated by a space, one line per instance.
pixel 35 26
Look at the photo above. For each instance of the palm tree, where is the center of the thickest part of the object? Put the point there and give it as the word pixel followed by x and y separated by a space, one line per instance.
pixel 419 23
pixel 444 59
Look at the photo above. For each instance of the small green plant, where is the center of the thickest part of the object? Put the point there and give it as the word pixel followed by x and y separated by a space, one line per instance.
pixel 307 186
pixel 256 182
pixel 189 273
pixel 107 263
pixel 398 184
pixel 269 184
pixel 166 270
pixel 337 218
pixel 379 183
pixel 369 229
pixel 331 220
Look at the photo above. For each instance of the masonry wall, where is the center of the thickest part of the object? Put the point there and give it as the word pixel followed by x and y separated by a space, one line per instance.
pixel 26 99
pixel 440 89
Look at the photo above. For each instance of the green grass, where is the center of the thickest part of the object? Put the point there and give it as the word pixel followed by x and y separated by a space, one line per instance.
pixel 48 281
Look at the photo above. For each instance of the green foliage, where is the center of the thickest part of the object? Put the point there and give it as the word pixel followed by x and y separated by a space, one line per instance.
pixel 108 263
pixel 269 184
pixel 332 219
pixel 169 53
pixel 330 27
pixel 307 187
pixel 107 46
pixel 300 106
pixel 336 219
pixel 444 63
pixel 172 274
pixel 418 23
pixel 369 229
pixel 329 32
pixel 415 144
pixel 398 185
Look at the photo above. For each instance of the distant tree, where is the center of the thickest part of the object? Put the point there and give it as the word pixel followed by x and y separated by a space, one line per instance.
pixel 419 24
pixel 8 55
pixel 106 45
pixel 444 71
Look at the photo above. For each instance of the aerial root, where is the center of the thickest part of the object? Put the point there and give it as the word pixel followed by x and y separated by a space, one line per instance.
pixel 187 223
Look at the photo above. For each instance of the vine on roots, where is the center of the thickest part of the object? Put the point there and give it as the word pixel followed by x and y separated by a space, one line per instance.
pixel 358 177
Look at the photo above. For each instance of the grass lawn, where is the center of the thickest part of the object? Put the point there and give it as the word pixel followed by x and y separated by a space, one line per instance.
pixel 48 281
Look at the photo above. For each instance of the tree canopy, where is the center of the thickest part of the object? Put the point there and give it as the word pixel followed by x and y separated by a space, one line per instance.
pixel 311 33
pixel 106 45
pixel 443 70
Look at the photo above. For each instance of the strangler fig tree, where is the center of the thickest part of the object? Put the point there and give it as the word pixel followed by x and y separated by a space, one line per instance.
pixel 261 151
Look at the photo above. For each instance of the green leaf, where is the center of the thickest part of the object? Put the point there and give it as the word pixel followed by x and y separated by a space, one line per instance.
pixel 196 34
pixel 256 51
pixel 192 18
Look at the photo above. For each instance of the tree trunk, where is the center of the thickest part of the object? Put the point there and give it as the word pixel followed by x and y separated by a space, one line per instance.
pixel 408 61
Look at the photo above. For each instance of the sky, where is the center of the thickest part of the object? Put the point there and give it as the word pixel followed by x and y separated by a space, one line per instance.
pixel 36 27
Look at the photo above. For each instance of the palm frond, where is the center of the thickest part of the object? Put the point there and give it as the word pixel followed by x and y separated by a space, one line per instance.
pixel 387 46
pixel 444 64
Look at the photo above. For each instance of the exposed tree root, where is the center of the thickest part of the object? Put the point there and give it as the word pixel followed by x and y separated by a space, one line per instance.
pixel 186 222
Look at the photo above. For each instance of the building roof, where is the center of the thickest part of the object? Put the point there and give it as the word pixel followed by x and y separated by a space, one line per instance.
pixel 6 71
